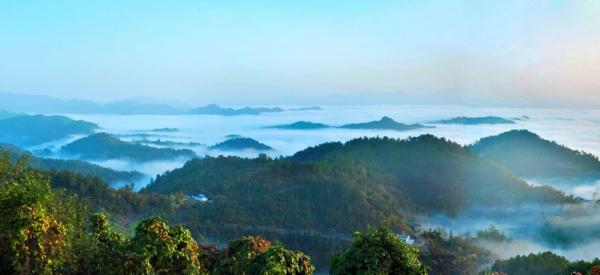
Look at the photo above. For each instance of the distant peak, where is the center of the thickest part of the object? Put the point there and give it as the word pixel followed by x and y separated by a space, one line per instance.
pixel 386 119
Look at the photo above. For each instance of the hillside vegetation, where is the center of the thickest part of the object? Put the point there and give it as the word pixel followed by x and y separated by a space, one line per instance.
pixel 528 155
pixel 103 146
pixel 47 164
pixel 26 130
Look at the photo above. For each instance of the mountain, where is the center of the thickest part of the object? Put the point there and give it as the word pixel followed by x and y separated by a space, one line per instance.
pixel 165 130
pixel 213 109
pixel 528 155
pixel 385 123
pixel 103 146
pixel 52 105
pixel 476 120
pixel 6 114
pixel 237 143
pixel 335 188
pixel 300 125
pixel 311 108
pixel 29 130
pixel 86 168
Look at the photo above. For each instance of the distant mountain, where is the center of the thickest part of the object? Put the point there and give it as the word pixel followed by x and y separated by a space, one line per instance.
pixel 385 123
pixel 476 120
pixel 51 105
pixel 29 130
pixel 103 146
pixel 86 168
pixel 214 109
pixel 241 143
pixel 5 114
pixel 528 155
pixel 165 130
pixel 301 125
pixel 311 108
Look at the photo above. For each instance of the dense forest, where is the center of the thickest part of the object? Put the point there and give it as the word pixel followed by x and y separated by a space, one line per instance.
pixel 29 130
pixel 528 155
pixel 240 143
pixel 49 231
pixel 324 193
pixel 545 263
pixel 103 146
pixel 83 167
pixel 133 240
pixel 385 123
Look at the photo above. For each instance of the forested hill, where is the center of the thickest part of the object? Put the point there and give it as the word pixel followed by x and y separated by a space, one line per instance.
pixel 435 173
pixel 26 130
pixel 86 168
pixel 529 155
pixel 104 146
pixel 343 186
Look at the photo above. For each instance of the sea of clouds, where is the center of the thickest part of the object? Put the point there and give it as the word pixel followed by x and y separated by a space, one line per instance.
pixel 531 227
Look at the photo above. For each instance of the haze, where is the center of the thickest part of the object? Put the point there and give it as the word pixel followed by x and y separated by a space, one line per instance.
pixel 501 53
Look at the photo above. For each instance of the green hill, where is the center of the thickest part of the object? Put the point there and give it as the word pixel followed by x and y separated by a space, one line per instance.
pixel 528 155
pixel 301 125
pixel 29 130
pixel 103 146
pixel 86 168
pixel 342 187
pixel 236 143
pixel 476 120
pixel 385 123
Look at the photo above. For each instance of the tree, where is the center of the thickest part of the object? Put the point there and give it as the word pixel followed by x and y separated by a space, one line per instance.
pixel 36 232
pixel 256 255
pixel 278 260
pixel 158 249
pixel 378 251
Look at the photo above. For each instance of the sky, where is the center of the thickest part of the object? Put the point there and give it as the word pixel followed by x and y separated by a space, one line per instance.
pixel 479 53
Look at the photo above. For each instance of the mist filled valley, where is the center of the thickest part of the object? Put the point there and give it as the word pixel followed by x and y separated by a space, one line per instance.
pixel 300 137
pixel 498 182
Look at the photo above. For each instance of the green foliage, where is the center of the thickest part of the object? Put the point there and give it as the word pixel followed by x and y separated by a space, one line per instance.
pixel 492 234
pixel 278 260
pixel 256 255
pixel 452 254
pixel 240 254
pixel 526 154
pixel 104 146
pixel 26 130
pixel 123 204
pixel 38 229
pixel 378 251
pixel 159 249
pixel 86 168
pixel 314 200
pixel 546 263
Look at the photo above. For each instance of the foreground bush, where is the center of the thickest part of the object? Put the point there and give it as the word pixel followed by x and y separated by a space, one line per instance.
pixel 378 251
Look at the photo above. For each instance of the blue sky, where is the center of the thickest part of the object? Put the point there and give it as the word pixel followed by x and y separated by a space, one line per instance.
pixel 286 52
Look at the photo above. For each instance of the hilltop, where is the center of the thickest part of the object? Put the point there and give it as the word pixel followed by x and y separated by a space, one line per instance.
pixel 528 155
pixel 476 120
pixel 385 123
pixel 213 109
pixel 301 125
pixel 235 143
pixel 103 146
pixel 79 166
pixel 26 130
